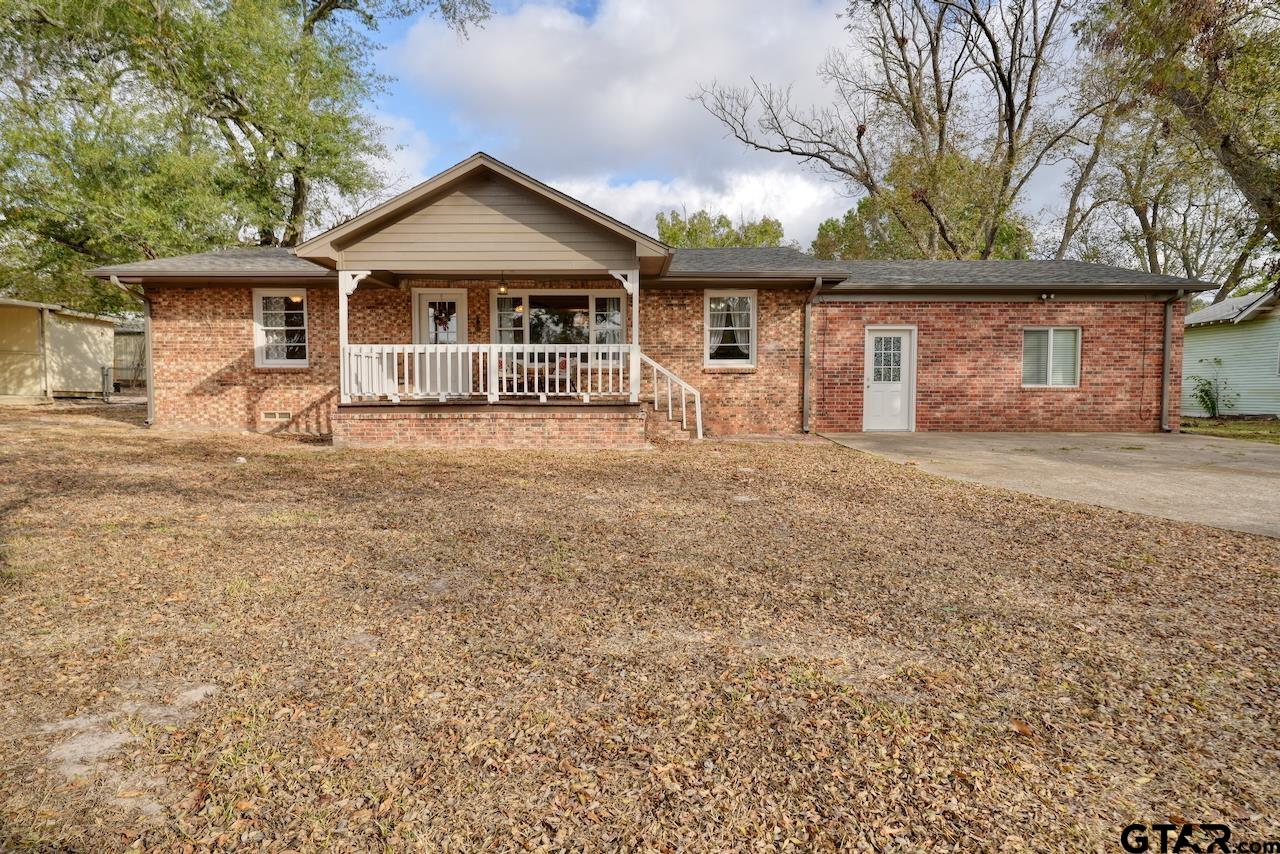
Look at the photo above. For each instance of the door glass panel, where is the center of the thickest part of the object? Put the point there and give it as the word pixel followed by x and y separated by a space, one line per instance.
pixel 886 364
pixel 442 322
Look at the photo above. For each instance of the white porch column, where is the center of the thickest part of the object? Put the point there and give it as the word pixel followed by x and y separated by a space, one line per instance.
pixel 347 282
pixel 630 280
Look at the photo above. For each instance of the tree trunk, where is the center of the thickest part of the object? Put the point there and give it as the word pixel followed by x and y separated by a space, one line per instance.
pixel 1238 266
pixel 297 222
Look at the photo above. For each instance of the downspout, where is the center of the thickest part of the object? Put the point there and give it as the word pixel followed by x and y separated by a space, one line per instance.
pixel 146 344
pixel 804 358
pixel 46 367
pixel 1164 364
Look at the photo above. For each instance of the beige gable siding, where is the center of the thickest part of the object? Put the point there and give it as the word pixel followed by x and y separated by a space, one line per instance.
pixel 490 224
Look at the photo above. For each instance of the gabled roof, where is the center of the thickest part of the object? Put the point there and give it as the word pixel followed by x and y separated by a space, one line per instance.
pixel 233 261
pixel 1234 309
pixel 322 245
pixel 907 274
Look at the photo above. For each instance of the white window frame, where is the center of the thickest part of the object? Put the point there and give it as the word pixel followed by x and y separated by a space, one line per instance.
pixel 591 293
pixel 260 359
pixel 1048 374
pixel 750 361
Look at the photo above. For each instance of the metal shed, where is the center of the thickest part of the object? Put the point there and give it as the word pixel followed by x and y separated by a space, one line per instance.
pixel 49 351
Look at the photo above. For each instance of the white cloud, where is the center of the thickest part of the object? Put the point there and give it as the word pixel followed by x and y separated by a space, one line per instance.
pixel 602 102
pixel 800 201
pixel 408 152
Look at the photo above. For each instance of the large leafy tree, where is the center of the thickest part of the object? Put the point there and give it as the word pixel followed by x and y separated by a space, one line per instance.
pixel 1159 202
pixel 1217 64
pixel 704 229
pixel 140 128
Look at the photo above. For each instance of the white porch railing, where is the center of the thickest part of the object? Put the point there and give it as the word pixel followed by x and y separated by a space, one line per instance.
pixel 492 371
pixel 674 385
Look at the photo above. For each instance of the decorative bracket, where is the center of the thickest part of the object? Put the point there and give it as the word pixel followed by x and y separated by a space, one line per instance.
pixel 624 276
pixel 349 279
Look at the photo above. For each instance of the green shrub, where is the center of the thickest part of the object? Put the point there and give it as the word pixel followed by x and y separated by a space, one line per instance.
pixel 1212 394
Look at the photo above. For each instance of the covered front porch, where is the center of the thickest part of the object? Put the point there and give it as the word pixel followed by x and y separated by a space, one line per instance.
pixel 494 339
pixel 503 339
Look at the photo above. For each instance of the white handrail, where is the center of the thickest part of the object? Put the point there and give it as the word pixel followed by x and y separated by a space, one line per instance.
pixel 492 371
pixel 686 391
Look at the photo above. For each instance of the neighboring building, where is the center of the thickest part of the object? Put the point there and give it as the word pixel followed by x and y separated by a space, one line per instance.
pixel 1235 344
pixel 484 286
pixel 48 351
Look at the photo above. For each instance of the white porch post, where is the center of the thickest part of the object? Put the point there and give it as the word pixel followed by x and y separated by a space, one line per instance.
pixel 347 282
pixel 630 280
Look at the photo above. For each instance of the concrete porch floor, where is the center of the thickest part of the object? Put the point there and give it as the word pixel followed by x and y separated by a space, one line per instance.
pixel 1226 483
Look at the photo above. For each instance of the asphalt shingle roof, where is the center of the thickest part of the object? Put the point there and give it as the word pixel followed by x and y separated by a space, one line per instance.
pixel 997 273
pixel 238 260
pixel 1229 309
pixel 775 259
pixel 744 261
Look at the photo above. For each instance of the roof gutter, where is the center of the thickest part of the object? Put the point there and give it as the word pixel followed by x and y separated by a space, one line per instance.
pixel 1165 379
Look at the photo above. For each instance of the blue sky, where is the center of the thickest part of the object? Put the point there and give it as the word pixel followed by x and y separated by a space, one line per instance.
pixel 592 96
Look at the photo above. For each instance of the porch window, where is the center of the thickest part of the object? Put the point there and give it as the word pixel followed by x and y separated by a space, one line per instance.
pixel 730 323
pixel 280 328
pixel 1051 357
pixel 509 326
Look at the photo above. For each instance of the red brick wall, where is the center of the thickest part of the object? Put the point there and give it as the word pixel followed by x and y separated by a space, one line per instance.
pixel 205 376
pixel 968 378
pixel 548 427
pixel 969 364
pixel 765 399
pixel 202 341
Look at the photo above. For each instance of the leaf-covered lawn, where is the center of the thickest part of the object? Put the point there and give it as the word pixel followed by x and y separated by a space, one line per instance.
pixel 708 646
pixel 1256 429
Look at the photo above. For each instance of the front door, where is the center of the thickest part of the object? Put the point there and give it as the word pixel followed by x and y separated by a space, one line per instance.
pixel 440 317
pixel 889 380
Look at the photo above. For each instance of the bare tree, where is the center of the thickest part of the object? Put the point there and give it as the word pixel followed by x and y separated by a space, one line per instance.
pixel 940 82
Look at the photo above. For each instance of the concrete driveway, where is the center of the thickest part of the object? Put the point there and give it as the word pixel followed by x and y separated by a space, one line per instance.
pixel 1227 483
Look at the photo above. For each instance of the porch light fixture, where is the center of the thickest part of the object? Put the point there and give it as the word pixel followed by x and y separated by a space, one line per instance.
pixel 502 284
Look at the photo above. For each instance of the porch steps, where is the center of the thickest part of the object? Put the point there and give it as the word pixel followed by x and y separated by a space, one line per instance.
pixel 660 429
pixel 672 399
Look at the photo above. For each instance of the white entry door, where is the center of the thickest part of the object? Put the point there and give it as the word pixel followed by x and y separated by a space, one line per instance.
pixel 890 379
pixel 440 317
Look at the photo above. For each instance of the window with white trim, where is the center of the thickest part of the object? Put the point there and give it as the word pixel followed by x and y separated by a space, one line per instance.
pixel 729 321
pixel 280 328
pixel 1051 356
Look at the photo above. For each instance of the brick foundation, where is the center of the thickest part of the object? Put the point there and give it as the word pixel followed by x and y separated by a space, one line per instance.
pixel 529 427
pixel 969 365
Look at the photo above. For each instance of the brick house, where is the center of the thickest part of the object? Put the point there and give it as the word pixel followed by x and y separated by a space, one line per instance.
pixel 484 308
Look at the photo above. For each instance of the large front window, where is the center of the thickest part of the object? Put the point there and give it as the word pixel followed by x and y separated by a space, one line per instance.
pixel 558 317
